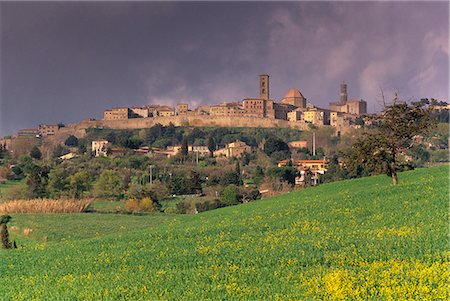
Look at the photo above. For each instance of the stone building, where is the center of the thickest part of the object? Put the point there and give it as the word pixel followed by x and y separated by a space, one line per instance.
pixel 117 114
pixel 234 149
pixel 355 106
pixel 164 111
pixel 281 110
pixel 315 116
pixel 99 147
pixel 298 144
pixel 295 116
pixel 48 129
pixel 28 133
pixel 295 98
pixel 182 108
pixel 227 109
pixel 339 120
pixel 140 112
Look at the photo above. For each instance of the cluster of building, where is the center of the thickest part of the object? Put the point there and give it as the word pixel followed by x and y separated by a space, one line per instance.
pixel 293 107
pixel 234 149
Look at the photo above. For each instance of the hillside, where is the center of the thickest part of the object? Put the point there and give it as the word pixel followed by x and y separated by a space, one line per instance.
pixel 359 239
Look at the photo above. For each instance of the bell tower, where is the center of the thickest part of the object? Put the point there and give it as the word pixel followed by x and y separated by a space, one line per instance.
pixel 264 86
pixel 343 93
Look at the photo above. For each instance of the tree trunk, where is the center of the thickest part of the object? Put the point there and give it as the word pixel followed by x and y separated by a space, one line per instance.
pixel 394 176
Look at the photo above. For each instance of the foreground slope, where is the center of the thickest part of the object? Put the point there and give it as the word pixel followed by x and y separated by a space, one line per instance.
pixel 360 239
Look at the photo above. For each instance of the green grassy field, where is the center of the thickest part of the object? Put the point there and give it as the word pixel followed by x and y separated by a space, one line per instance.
pixel 353 240
pixel 7 185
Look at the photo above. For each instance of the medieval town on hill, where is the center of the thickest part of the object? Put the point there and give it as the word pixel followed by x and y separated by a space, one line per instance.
pixel 294 107
pixel 294 111
pixel 291 136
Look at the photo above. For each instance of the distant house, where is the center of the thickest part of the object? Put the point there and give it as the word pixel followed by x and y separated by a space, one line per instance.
pixel 48 129
pixel 319 165
pixel 234 149
pixel 99 147
pixel 313 165
pixel 298 144
pixel 68 156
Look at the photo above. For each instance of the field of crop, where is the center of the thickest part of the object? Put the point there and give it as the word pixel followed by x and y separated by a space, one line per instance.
pixel 352 240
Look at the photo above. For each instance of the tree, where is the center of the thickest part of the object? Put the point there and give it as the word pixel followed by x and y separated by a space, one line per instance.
pixel 35 153
pixel 71 141
pixel 79 183
pixel 379 149
pixel 36 180
pixel 237 168
pixel 184 147
pixel 211 146
pixel 4 220
pixel 108 185
pixel 230 195
pixel 277 149
pixel 57 182
pixel 58 151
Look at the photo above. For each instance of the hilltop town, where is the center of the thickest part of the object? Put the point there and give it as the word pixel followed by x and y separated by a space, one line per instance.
pixel 292 111
pixel 293 107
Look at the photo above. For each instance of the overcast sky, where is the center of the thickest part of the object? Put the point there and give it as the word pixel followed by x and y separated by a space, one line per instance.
pixel 66 61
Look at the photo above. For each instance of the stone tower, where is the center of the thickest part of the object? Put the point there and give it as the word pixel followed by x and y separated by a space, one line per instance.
pixel 344 95
pixel 264 86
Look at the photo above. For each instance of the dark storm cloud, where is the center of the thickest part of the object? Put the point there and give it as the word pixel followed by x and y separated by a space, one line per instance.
pixel 65 61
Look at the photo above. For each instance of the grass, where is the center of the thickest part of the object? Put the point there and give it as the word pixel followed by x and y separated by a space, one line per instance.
pixel 5 186
pixel 107 206
pixel 352 240
pixel 79 226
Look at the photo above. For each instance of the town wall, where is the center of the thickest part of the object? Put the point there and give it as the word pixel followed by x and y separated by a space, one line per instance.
pixel 206 121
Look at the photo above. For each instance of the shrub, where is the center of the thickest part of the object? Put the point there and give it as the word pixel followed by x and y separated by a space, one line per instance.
pixel 230 195
pixel 144 205
pixel 209 205
pixel 35 153
pixel 170 210
pixel 71 141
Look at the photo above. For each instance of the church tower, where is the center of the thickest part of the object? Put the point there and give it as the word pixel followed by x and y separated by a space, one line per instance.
pixel 264 86
pixel 344 96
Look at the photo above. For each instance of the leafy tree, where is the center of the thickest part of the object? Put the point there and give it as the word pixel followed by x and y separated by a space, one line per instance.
pixel 278 148
pixel 58 151
pixel 79 183
pixel 35 153
pixel 108 185
pixel 285 173
pixel 82 149
pixel 36 179
pixel 230 178
pixel 58 183
pixel 194 183
pixel 71 141
pixel 230 195
pixel 395 128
